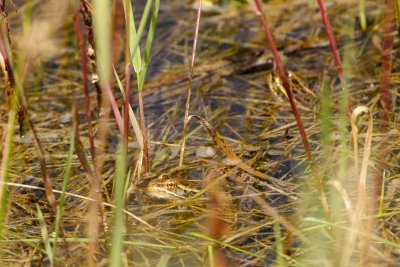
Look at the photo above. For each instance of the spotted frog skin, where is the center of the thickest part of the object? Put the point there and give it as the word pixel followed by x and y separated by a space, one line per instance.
pixel 168 188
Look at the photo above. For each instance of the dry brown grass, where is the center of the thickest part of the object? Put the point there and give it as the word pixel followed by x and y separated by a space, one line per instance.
pixel 252 114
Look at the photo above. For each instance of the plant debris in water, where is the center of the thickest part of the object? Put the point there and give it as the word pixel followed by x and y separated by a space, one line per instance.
pixel 255 198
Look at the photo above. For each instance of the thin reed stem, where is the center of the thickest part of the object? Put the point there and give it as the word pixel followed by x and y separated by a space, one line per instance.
pixel 332 42
pixel 126 105
pixel 146 159
pixel 189 87
pixel 319 183
pixel 85 85
pixel 260 13
pixel 387 47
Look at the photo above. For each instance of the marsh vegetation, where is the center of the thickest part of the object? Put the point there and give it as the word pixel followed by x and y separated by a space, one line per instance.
pixel 289 159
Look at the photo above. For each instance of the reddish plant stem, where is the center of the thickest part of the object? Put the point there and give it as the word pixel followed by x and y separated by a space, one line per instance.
pixel 283 77
pixel 387 47
pixel 86 11
pixel 295 111
pixel 8 73
pixel 87 19
pixel 95 179
pixel 5 20
pixel 2 5
pixel 332 42
pixel 85 85
pixel 115 109
pixel 8 69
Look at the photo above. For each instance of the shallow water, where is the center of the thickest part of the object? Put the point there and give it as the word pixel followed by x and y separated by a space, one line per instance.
pixel 242 100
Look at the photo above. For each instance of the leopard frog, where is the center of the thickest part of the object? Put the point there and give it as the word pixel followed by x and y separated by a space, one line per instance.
pixel 168 187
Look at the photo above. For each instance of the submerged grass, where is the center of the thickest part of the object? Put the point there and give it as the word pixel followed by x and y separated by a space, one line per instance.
pixel 67 176
pixel 256 202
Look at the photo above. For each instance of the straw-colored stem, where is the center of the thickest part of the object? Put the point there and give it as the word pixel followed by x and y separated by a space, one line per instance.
pixel 189 86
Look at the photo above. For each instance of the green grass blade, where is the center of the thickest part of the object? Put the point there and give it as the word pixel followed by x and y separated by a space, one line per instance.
pixel 149 45
pixel 102 31
pixel 136 59
pixel 136 41
pixel 45 234
pixel 127 183
pixel 5 165
pixel 382 197
pixel 135 37
pixel 363 17
pixel 118 216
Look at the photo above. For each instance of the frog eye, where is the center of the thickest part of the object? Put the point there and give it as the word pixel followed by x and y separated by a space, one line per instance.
pixel 164 176
pixel 170 185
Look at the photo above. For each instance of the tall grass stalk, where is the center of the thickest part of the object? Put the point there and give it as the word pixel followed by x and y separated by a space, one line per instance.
pixel 342 157
pixel 139 65
pixel 141 76
pixel 5 162
pixel 102 30
pixel 118 198
pixel 126 106
pixel 127 77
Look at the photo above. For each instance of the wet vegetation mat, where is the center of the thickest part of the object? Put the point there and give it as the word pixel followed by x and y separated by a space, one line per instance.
pixel 259 133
